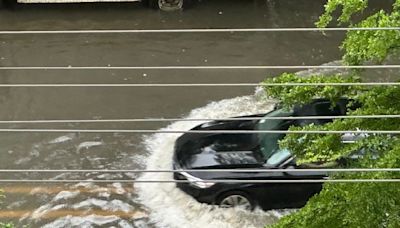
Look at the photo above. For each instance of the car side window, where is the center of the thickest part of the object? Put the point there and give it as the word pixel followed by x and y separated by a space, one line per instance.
pixel 322 108
pixel 325 109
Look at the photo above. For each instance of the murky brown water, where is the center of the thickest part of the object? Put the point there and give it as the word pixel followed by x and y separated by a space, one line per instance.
pixel 89 205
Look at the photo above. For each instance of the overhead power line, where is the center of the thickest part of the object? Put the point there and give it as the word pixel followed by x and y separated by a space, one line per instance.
pixel 199 170
pixel 208 181
pixel 200 119
pixel 249 67
pixel 39 130
pixel 203 30
pixel 201 84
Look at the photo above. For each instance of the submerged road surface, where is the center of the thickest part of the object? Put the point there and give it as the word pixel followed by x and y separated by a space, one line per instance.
pixel 121 204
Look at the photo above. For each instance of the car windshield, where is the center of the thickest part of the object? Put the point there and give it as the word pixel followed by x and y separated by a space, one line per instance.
pixel 269 142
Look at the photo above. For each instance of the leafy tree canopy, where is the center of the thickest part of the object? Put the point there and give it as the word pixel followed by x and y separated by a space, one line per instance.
pixel 4 225
pixel 361 46
pixel 350 204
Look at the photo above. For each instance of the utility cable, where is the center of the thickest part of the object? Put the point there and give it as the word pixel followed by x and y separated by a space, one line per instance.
pixel 259 170
pixel 249 67
pixel 200 119
pixel 203 30
pixel 40 130
pixel 207 181
pixel 200 84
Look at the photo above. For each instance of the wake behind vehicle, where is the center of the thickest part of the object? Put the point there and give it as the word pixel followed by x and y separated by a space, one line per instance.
pixel 250 151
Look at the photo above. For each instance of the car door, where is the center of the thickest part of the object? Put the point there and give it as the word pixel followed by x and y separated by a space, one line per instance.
pixel 302 190
pixel 284 194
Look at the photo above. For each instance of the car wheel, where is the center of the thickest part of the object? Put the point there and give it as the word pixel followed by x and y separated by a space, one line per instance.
pixel 169 5
pixel 236 200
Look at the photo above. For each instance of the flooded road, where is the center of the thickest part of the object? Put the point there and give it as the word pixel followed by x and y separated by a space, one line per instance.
pixel 121 204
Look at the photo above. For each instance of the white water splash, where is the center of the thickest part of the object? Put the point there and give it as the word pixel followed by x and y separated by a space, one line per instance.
pixel 170 207
pixel 87 145
pixel 86 221
pixel 62 139
pixel 63 195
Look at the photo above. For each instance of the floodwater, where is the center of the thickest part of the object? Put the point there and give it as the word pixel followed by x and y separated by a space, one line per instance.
pixel 122 204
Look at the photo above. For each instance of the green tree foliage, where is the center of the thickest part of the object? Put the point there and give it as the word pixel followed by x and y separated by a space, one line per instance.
pixel 289 94
pixel 350 204
pixel 361 46
pixel 4 225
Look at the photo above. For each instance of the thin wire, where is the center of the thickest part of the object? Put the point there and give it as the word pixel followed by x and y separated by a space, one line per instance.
pixel 198 170
pixel 195 67
pixel 224 30
pixel 201 119
pixel 37 130
pixel 207 181
pixel 201 84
